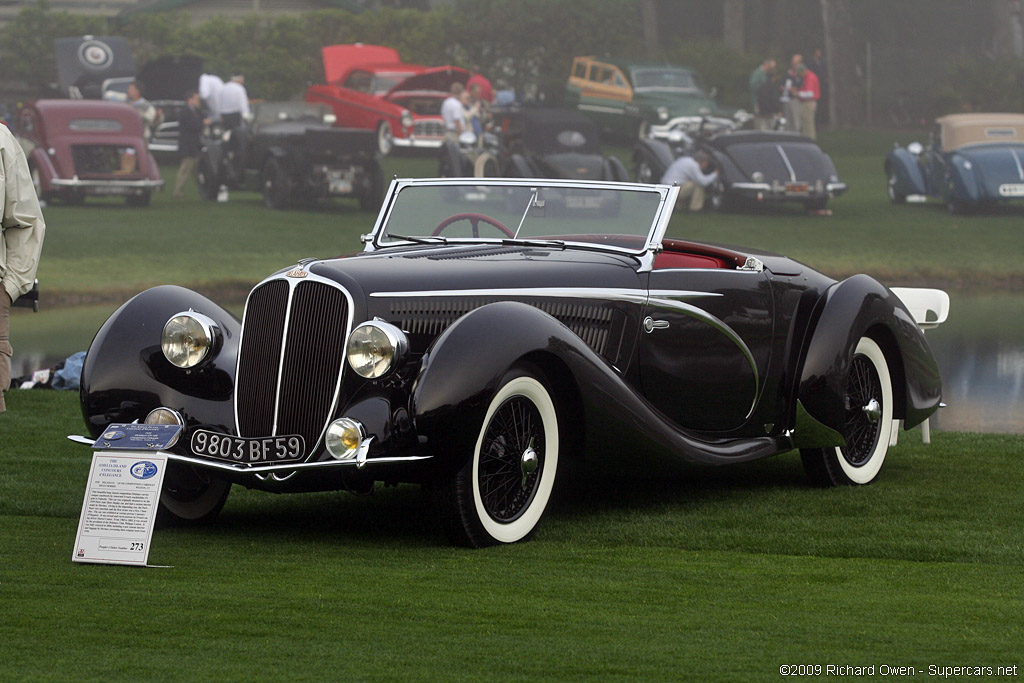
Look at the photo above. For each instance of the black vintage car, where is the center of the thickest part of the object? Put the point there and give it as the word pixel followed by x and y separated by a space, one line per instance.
pixel 533 143
pixel 292 153
pixel 755 167
pixel 479 346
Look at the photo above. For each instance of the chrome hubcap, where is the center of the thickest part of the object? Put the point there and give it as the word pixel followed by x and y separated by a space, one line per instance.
pixel 528 463
pixel 873 411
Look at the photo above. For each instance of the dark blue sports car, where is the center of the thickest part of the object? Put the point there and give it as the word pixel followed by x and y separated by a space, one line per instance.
pixel 971 161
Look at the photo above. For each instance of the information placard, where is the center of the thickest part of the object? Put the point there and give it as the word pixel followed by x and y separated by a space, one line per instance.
pixel 120 506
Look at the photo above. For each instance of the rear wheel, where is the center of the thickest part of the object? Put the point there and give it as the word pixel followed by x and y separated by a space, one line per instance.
pixel 372 195
pixel 867 428
pixel 502 490
pixel 190 495
pixel 643 172
pixel 277 186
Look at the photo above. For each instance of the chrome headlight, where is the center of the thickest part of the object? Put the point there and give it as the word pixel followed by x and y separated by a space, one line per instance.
pixel 662 113
pixel 406 119
pixel 188 339
pixel 757 177
pixel 376 348
pixel 166 416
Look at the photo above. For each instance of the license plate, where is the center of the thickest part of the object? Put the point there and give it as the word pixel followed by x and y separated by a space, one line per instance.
pixel 250 450
pixel 798 188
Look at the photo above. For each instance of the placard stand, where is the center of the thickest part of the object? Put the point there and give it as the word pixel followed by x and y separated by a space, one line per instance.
pixel 122 494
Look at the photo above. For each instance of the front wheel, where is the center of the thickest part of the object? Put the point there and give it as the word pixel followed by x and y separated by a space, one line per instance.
pixel 385 138
pixel 895 196
pixel 501 492
pixel 190 495
pixel 206 178
pixel 867 428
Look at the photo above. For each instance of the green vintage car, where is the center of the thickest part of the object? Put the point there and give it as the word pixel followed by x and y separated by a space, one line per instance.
pixel 634 100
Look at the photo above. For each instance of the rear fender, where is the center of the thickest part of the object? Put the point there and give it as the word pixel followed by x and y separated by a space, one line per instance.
pixel 856 307
pixel 126 375
pixel 520 167
pixel 909 178
pixel 962 174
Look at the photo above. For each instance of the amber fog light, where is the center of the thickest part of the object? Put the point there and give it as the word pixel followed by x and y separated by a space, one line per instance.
pixel 188 338
pixel 376 348
pixel 165 416
pixel 344 437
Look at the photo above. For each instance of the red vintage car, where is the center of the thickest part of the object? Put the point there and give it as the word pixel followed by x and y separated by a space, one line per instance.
pixel 80 148
pixel 369 87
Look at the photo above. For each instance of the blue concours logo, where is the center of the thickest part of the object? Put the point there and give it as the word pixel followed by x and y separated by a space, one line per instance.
pixel 143 469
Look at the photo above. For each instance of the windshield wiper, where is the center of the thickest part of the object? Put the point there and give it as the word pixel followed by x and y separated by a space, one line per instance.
pixel 434 239
pixel 519 242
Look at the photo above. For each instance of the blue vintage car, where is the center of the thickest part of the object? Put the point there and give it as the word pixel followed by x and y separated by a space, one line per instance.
pixel 971 161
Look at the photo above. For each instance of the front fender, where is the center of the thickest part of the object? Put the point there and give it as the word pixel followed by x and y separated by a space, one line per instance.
pixel 462 370
pixel 856 307
pixel 126 375
pixel 909 178
pixel 42 162
pixel 656 153
pixel 519 167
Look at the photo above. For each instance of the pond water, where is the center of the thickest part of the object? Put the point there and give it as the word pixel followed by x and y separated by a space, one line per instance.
pixel 980 351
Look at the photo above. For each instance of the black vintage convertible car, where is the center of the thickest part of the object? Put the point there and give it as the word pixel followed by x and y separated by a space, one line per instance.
pixel 292 153
pixel 533 142
pixel 480 345
pixel 755 167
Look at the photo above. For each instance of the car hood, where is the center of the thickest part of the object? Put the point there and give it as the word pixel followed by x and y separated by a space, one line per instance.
pixel 340 59
pixel 85 62
pixel 438 79
pixel 446 271
pixel 169 77
pixel 679 103
pixel 995 166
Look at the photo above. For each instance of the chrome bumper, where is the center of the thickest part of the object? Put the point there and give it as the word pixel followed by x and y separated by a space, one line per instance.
pixel 359 461
pixel 107 187
pixel 418 143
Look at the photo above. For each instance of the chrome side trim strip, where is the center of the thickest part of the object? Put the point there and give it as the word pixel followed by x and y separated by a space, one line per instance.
pixel 636 296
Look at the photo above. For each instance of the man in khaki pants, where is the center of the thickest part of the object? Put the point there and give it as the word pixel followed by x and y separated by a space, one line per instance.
pixel 21 241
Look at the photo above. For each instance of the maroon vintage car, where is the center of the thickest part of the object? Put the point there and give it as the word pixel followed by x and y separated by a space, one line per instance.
pixel 81 148
pixel 369 87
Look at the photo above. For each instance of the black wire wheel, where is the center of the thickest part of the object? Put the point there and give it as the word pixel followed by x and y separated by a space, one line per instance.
pixel 867 428
pixel 277 185
pixel 501 492
pixel 190 495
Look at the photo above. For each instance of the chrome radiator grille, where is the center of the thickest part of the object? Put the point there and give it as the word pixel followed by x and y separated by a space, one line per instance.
pixel 429 128
pixel 289 378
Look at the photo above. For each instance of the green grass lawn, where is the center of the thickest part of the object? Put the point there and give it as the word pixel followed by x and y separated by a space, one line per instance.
pixel 724 575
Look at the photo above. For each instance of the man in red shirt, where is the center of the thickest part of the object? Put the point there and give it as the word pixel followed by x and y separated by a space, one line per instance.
pixel 808 96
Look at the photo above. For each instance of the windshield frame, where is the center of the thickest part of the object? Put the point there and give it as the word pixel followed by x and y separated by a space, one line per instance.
pixel 650 242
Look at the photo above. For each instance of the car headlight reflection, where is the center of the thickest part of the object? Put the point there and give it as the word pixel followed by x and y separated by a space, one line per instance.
pixel 662 113
pixel 188 339
pixel 376 348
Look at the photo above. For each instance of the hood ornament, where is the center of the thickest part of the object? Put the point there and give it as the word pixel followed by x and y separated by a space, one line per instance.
pixel 297 272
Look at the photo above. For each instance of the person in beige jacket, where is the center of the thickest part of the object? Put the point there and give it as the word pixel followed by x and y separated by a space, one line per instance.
pixel 21 242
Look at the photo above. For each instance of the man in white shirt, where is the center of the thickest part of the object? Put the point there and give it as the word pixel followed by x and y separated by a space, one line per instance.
pixel 21 240
pixel 453 112
pixel 210 86
pixel 692 177
pixel 233 103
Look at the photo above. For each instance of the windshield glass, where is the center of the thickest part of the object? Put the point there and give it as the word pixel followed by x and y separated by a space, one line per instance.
pixel 664 79
pixel 620 217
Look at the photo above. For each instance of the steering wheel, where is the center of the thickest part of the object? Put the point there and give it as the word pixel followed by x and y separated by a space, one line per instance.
pixel 474 220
